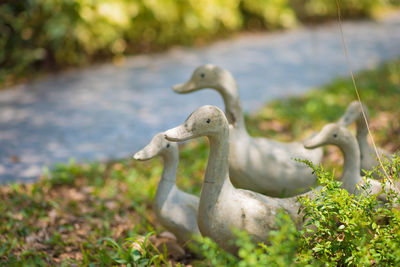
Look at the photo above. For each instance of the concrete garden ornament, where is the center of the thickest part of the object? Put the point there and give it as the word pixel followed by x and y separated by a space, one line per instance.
pixel 335 134
pixel 175 209
pixel 258 164
pixel 367 153
pixel 222 206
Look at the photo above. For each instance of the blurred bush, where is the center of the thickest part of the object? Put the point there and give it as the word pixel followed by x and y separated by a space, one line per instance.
pixel 50 34
pixel 324 9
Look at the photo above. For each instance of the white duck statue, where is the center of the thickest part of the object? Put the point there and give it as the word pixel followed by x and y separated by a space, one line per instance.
pixel 175 209
pixel 336 134
pixel 258 164
pixel 223 207
pixel 368 155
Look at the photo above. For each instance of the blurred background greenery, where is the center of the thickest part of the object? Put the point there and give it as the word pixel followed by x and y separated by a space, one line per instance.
pixel 49 35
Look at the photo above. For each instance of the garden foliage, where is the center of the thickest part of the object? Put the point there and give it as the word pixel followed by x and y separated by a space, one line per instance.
pixel 341 229
pixel 38 34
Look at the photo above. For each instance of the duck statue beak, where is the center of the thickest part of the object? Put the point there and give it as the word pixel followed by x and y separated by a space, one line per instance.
pixel 145 154
pixel 314 141
pixel 184 88
pixel 178 134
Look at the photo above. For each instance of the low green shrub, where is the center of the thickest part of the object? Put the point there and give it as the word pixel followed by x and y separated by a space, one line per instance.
pixel 353 230
pixel 323 9
pixel 341 230
pixel 52 34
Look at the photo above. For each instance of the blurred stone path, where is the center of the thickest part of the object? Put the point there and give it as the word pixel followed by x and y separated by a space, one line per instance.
pixel 108 111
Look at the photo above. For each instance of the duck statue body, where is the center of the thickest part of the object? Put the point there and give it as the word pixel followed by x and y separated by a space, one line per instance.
pixel 258 164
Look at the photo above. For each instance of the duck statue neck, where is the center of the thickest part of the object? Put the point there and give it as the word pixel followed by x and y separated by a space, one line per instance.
pixel 175 209
pixel 334 134
pixel 367 153
pixel 221 80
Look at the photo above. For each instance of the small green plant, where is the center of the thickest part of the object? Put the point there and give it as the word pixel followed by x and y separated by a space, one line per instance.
pixel 213 255
pixel 135 252
pixel 281 251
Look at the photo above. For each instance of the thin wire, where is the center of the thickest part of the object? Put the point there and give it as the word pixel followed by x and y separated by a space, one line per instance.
pixel 355 87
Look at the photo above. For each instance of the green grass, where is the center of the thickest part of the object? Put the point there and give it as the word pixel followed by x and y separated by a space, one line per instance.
pixel 99 213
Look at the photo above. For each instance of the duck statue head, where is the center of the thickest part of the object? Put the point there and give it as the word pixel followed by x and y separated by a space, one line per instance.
pixel 207 76
pixel 205 121
pixel 354 113
pixel 331 134
pixel 158 146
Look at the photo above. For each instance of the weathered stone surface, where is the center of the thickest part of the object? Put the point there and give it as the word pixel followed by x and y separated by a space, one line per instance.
pixel 108 111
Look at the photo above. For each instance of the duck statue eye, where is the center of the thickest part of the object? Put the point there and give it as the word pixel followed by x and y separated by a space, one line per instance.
pixel 168 145
pixel 334 135
pixel 208 120
pixel 202 75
